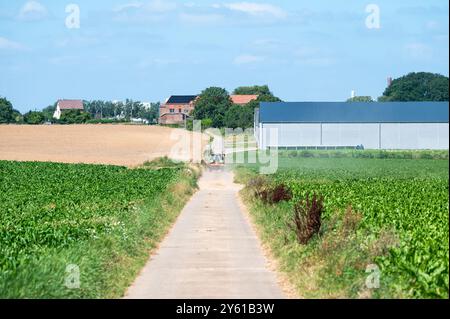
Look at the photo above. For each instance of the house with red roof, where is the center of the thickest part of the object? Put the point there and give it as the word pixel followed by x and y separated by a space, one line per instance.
pixel 65 105
pixel 177 109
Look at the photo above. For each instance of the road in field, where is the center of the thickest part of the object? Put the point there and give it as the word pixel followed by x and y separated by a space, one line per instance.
pixel 211 252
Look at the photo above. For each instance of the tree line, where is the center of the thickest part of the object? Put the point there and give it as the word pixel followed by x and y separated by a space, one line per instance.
pixel 96 111
pixel 215 108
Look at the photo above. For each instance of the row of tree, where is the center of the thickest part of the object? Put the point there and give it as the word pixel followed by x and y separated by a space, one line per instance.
pixel 215 108
pixel 94 112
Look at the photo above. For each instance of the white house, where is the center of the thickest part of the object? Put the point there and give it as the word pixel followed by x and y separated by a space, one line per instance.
pixel 64 105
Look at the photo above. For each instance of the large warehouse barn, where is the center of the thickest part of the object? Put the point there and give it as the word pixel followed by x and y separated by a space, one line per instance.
pixel 387 125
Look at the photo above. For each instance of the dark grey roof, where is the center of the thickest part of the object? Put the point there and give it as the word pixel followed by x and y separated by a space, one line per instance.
pixel 181 99
pixel 354 112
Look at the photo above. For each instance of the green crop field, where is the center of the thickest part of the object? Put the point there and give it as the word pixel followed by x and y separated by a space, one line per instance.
pixel 403 228
pixel 102 220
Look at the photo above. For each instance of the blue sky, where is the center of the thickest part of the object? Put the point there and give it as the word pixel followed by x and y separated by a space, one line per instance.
pixel 149 49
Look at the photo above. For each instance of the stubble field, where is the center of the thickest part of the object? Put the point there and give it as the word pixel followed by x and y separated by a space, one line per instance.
pixel 127 145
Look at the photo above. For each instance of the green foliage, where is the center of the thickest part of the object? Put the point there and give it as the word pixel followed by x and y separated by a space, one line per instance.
pixel 34 117
pixel 163 162
pixel 361 99
pixel 207 123
pixel 104 219
pixel 212 104
pixel 407 198
pixel 7 112
pixel 48 112
pixel 105 121
pixel 250 90
pixel 74 117
pixel 239 116
pixel 421 86
pixel 381 154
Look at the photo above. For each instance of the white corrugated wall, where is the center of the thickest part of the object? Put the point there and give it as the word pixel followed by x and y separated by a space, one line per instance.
pixel 370 135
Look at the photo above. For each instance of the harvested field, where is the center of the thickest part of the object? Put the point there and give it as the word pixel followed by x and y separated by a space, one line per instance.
pixel 127 145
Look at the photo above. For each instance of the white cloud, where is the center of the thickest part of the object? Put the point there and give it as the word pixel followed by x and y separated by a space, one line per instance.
pixel 157 62
pixel 312 57
pixel 6 44
pixel 76 41
pixel 127 6
pixel 248 58
pixel 32 10
pixel 200 18
pixel 257 9
pixel 419 50
pixel 154 6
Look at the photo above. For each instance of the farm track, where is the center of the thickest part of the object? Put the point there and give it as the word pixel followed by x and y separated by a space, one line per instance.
pixel 212 251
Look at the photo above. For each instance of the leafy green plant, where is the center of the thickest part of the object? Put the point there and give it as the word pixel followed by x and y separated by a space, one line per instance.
pixel 105 219
pixel 407 198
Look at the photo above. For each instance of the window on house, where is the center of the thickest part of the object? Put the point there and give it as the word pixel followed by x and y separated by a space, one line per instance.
pixel 172 110
pixel 179 110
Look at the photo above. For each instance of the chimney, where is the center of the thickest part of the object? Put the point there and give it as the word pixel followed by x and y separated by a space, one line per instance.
pixel 389 81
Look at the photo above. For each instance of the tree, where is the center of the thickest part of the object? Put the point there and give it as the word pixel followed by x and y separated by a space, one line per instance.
pixel 74 117
pixel 360 99
pixel 7 113
pixel 34 117
pixel 249 90
pixel 421 86
pixel 239 116
pixel 213 104
pixel 263 92
pixel 48 112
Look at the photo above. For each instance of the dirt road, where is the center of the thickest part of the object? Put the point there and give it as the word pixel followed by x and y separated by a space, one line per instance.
pixel 212 251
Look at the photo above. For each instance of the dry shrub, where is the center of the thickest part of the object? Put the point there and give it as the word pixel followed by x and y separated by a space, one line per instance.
pixel 307 218
pixel 275 195
pixel 267 194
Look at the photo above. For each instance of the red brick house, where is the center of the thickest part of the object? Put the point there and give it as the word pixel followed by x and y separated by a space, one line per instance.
pixel 64 105
pixel 176 109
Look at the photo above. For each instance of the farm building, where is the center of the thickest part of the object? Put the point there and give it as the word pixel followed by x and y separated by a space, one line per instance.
pixel 64 105
pixel 387 125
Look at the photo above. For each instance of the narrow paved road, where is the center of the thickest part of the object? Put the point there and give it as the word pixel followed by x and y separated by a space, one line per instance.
pixel 211 252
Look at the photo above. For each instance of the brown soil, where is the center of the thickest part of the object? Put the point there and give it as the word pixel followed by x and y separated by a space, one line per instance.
pixel 127 145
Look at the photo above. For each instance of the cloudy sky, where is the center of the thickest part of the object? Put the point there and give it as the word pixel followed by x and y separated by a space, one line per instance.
pixel 149 49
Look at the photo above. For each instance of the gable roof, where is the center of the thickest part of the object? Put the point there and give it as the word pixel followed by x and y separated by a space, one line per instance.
pixel 70 104
pixel 243 99
pixel 181 99
pixel 354 112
